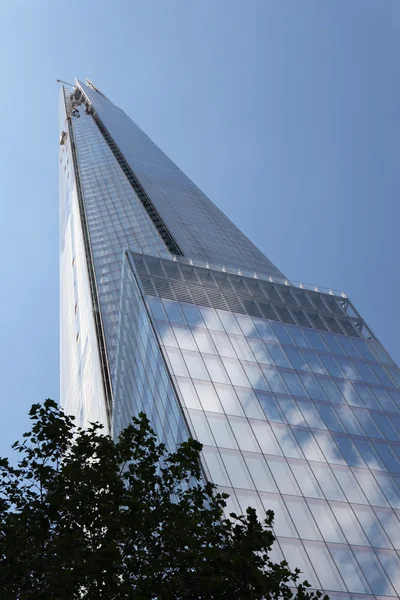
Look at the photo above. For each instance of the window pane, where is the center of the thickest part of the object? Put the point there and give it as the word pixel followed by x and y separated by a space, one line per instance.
pixel 216 467
pixel 349 524
pixel 349 451
pixel 274 379
pixel 250 403
pixel 368 423
pixel 229 322
pixel 367 396
pixel 296 557
pixel 188 392
pixel 173 311
pixel 281 333
pixel 326 521
pixel 260 351
pixel 211 318
pixel 222 343
pixel 270 407
pixel 287 441
pixel 157 308
pixel 331 390
pixel 314 362
pixel 235 372
pixel 260 473
pixel 311 415
pixel 283 524
pixel 195 365
pixel 349 420
pixel 247 326
pixel 373 529
pixel 369 454
pixel 203 340
pixel 349 484
pixel 324 566
pixel 264 329
pixel 329 447
pixel 294 384
pixel 192 314
pixel 332 366
pixel 305 479
pixel 390 485
pixel 255 376
pixel 216 369
pixel 367 374
pixel 312 386
pixel 349 393
pixel 221 430
pixel 315 340
pixel 291 411
pixel 208 397
pixel 237 470
pixel 310 448
pixel 298 336
pixel 229 400
pixel 283 476
pixel 349 368
pixel 349 347
pixel 166 334
pixel 184 337
pixel 244 434
pixel 327 481
pixel 279 356
pixel 390 524
pixel 391 563
pixel 333 343
pixel 266 438
pixel 330 418
pixel 370 487
pixel 303 519
pixel 373 572
pixel 202 431
pixel 177 362
pixel 297 359
pixel 242 348
pixel 349 569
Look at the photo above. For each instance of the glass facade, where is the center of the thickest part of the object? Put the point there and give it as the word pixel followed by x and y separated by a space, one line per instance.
pixel 297 405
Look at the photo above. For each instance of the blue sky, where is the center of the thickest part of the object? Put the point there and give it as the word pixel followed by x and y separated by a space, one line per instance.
pixel 287 114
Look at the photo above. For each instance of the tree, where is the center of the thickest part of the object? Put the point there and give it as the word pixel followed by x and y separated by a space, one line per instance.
pixel 82 516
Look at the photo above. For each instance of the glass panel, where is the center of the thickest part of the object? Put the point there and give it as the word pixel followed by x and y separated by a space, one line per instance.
pixel 211 318
pixel 255 376
pixel 349 524
pixel 235 372
pixel 312 386
pixel 177 363
pixel 390 524
pixel 305 478
pixel 370 487
pixel 294 384
pixel 192 314
pixel 237 470
pixel 188 392
pixel 297 359
pixel 242 348
pixel 308 444
pixel 363 348
pixel 173 311
pixel 157 308
pixel 250 403
pixel 333 343
pixel 386 427
pixel 283 476
pixel 264 329
pixel 327 481
pixel 215 466
pixel 297 335
pixel 326 521
pixel 349 393
pixel 266 438
pixel 368 423
pixel 329 447
pixel 324 566
pixel 283 524
pixel 222 343
pixel 222 432
pixel 311 415
pixel 314 340
pixel 390 486
pixel 250 498
pixel 244 434
pixel 303 519
pixel 260 351
pixel 349 347
pixel 381 374
pixel 296 557
pixel 260 472
pixel 287 441
pixel 330 418
pixel 216 368
pixel 247 326
pixel 195 365
pixel 391 564
pixel 274 379
pixel 332 366
pixel 367 396
pixel 208 397
pixel 278 355
pixel 331 390
pixel 281 332
pixel 369 454
pixel 270 407
pixel 229 400
pixel 374 531
pixel 229 322
pixel 203 340
pixel 314 362
pixel 349 451
pixel 385 400
pixel 291 411
pixel 373 571
pixel 349 569
pixel 366 373
pixel 349 368
pixel 202 431
pixel 166 334
pixel 349 420
pixel 349 484
pixel 184 337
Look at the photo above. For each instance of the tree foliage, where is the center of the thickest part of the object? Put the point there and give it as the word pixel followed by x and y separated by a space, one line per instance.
pixel 82 516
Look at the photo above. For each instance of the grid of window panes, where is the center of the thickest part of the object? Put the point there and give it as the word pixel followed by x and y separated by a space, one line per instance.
pixel 303 422
pixel 115 218
pixel 142 379
pixel 201 229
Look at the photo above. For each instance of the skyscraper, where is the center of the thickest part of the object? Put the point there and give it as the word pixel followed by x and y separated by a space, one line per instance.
pixel 168 308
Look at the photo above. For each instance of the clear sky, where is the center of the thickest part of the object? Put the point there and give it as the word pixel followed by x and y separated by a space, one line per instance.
pixel 287 114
